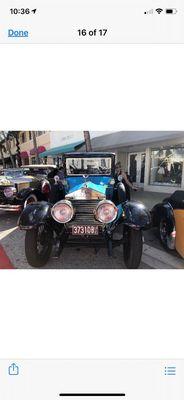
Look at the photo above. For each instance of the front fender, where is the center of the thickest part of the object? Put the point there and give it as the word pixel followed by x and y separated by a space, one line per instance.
pixel 163 210
pixel 136 215
pixel 24 193
pixel 34 215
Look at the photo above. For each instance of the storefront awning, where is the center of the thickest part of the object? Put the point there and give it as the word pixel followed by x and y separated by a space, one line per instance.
pixel 128 140
pixel 24 154
pixel 41 149
pixel 56 151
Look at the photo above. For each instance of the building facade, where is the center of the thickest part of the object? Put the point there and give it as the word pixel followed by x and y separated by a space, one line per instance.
pixel 27 148
pixel 154 160
pixel 46 140
pixel 23 147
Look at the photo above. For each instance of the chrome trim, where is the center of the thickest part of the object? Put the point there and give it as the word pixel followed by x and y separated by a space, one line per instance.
pixel 10 207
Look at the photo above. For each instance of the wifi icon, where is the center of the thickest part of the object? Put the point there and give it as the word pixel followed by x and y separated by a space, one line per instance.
pixel 159 10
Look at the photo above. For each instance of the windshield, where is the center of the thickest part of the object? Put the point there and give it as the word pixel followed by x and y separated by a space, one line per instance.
pixel 88 166
pixel 38 171
pixel 14 174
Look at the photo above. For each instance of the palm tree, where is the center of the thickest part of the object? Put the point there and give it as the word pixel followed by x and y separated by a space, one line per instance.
pixel 87 140
pixel 16 135
pixel 2 148
pixel 35 147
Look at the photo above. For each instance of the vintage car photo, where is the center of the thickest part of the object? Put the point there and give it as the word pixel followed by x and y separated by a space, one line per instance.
pixel 91 200
pixel 90 209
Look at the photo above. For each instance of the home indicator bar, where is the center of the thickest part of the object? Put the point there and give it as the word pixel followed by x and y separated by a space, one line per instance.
pixel 92 394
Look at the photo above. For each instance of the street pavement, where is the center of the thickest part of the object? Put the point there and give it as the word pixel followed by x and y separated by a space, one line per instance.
pixel 12 243
pixel 148 198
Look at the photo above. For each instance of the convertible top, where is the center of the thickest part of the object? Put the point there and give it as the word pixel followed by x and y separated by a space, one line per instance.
pixel 177 199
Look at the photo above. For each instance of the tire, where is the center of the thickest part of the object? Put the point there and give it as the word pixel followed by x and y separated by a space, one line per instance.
pixel 30 199
pixel 133 247
pixel 166 239
pixel 35 257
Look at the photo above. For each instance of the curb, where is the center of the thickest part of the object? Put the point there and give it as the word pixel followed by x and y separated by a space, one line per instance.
pixel 5 262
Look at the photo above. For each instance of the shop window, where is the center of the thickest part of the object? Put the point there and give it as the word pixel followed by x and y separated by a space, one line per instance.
pixel 33 160
pixel 167 166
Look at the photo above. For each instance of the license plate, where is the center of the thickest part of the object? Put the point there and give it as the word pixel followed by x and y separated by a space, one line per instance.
pixel 84 230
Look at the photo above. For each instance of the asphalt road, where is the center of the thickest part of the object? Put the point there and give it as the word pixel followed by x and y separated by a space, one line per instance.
pixel 154 256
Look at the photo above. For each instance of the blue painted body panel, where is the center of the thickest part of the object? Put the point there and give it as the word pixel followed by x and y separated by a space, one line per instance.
pixel 99 184
pixel 93 182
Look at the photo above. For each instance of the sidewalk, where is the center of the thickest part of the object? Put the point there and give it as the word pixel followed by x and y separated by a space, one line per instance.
pixel 148 198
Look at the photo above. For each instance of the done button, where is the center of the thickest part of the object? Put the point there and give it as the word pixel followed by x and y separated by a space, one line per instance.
pixel 17 33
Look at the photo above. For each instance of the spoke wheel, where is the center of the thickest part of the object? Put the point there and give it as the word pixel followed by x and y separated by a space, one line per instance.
pixel 167 239
pixel 38 246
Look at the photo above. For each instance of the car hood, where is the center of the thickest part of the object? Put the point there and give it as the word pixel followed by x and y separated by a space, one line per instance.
pixel 91 188
pixel 4 181
pixel 10 181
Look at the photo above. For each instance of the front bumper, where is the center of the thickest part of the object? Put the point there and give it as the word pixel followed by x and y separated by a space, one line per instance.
pixel 10 207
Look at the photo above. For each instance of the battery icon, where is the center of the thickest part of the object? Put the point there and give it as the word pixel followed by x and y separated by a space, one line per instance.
pixel 171 10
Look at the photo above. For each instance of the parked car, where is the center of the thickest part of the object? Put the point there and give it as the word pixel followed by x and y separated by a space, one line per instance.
pixel 40 171
pixel 22 186
pixel 88 212
pixel 168 216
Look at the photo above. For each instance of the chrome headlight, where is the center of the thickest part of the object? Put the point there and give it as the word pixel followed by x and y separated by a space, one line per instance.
pixel 62 211
pixel 9 191
pixel 106 212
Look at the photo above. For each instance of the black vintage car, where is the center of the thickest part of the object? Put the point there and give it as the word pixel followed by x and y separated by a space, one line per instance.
pixel 22 186
pixel 86 208
pixel 168 216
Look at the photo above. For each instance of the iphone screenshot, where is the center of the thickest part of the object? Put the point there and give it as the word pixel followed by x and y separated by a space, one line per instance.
pixel 91 199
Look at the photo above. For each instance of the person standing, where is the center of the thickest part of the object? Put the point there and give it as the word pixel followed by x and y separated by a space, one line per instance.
pixel 122 176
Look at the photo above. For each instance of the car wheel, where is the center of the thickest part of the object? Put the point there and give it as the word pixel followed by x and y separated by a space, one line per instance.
pixel 132 248
pixel 30 199
pixel 38 246
pixel 168 240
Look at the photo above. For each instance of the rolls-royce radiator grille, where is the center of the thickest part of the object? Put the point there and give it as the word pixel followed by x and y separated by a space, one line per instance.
pixel 84 212
pixel 2 196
